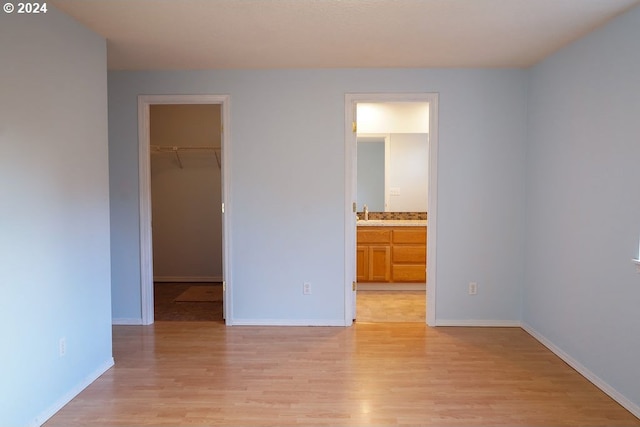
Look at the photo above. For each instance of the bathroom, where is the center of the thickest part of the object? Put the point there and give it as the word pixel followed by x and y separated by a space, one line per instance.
pixel 392 206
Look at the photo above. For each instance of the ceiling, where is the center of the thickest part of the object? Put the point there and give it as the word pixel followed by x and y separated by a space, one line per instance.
pixel 211 34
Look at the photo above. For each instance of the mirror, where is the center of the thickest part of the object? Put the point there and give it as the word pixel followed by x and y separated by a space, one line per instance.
pixel 393 156
pixel 393 172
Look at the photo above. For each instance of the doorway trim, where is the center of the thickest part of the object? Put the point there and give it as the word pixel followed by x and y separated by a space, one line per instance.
pixel 351 100
pixel 144 186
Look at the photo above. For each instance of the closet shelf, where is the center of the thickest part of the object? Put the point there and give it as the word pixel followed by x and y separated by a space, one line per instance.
pixel 176 151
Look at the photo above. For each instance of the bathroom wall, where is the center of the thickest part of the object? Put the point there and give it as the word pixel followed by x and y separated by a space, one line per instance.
pixel 408 181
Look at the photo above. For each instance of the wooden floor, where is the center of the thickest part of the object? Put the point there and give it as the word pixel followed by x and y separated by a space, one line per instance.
pixel 372 306
pixel 391 306
pixel 208 374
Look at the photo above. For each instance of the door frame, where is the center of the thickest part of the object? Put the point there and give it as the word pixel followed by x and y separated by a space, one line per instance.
pixel 351 100
pixel 144 171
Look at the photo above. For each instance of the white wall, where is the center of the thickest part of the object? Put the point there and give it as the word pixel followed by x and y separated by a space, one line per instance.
pixel 582 293
pixel 54 214
pixel 286 202
pixel 408 172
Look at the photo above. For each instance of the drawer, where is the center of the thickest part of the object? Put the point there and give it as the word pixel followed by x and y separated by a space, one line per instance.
pixel 374 235
pixel 409 254
pixel 408 273
pixel 410 235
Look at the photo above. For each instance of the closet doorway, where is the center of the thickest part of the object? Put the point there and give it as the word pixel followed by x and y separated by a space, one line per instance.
pixel 182 203
pixel 186 216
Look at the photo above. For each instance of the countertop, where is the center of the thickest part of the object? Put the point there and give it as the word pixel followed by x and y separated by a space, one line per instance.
pixel 392 223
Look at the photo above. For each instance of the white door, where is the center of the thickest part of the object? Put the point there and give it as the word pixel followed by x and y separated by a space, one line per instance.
pixel 350 209
pixel 354 192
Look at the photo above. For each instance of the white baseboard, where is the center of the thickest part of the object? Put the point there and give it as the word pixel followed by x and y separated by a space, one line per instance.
pixel 479 323
pixel 187 279
pixel 287 322
pixel 126 321
pixel 59 404
pixel 582 370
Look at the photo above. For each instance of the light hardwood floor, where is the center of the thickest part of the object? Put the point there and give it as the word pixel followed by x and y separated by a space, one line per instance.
pixel 207 374
pixel 372 306
pixel 391 306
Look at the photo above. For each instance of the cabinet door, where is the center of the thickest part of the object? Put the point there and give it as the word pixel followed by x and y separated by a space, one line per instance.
pixel 362 263
pixel 379 263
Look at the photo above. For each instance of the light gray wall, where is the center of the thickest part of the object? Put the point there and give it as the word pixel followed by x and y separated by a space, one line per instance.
pixel 54 214
pixel 582 293
pixel 286 201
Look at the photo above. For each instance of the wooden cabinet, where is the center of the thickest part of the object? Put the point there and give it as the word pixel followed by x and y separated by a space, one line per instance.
pixel 373 254
pixel 409 254
pixel 391 254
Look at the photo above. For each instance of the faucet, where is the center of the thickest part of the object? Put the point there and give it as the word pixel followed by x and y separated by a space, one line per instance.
pixel 366 213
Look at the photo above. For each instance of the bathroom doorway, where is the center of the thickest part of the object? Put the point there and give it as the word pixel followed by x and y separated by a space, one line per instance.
pixel 391 165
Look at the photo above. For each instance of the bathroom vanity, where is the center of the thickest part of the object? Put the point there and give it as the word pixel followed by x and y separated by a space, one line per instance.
pixel 391 251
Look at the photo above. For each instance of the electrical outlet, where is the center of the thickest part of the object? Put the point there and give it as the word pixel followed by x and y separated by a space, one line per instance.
pixel 62 346
pixel 306 288
pixel 473 288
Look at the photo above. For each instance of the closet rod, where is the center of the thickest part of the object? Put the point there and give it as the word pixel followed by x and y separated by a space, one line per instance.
pixel 185 147
pixel 176 150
